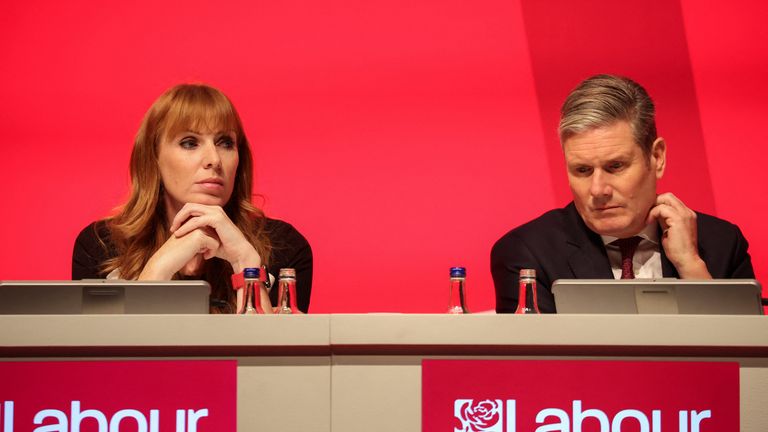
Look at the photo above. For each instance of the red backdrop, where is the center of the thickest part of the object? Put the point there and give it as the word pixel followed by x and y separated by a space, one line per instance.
pixel 400 137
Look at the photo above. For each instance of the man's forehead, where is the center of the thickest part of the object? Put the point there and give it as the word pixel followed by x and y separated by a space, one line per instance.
pixel 604 143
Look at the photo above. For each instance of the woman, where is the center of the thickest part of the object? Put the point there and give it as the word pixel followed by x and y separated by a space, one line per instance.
pixel 189 214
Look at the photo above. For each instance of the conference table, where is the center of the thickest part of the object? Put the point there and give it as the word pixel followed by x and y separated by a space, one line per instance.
pixel 352 372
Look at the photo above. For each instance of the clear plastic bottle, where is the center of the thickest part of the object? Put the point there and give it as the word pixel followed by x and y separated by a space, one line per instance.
pixel 286 297
pixel 527 301
pixel 457 303
pixel 251 304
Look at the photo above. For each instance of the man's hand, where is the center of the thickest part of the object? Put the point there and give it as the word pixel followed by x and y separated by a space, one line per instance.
pixel 679 237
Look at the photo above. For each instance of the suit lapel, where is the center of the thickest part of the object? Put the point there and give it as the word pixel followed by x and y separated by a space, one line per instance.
pixel 586 253
pixel 668 269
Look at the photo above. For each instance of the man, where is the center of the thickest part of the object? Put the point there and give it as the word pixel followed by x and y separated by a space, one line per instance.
pixel 617 226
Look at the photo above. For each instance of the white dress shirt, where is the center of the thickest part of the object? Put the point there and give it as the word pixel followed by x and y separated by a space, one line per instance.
pixel 646 264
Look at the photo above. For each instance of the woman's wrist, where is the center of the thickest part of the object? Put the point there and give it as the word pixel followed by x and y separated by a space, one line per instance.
pixel 248 259
pixel 153 271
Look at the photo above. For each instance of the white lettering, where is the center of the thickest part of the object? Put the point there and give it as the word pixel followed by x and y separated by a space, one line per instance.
pixel 193 416
pixel 7 412
pixel 697 417
pixel 579 417
pixel 511 414
pixel 682 421
pixel 181 421
pixel 154 420
pixel 114 422
pixel 656 420
pixel 61 426
pixel 562 426
pixel 630 413
pixel 76 417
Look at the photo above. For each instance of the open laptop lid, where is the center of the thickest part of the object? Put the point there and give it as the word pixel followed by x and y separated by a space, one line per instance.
pixel 658 296
pixel 101 296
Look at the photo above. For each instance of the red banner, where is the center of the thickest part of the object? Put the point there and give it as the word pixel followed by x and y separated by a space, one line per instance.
pixel 579 396
pixel 124 396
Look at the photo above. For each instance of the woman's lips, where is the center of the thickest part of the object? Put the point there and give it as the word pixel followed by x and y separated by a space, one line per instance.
pixel 211 184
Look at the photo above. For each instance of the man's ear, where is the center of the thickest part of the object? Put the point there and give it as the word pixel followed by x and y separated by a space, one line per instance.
pixel 659 156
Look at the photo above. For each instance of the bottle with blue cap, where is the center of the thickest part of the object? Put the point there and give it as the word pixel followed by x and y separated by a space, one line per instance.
pixel 458 299
pixel 250 302
pixel 256 298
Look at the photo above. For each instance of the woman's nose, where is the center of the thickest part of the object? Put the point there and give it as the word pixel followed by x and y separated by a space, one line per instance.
pixel 211 158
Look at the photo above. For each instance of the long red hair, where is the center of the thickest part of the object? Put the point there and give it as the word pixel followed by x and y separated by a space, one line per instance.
pixel 140 227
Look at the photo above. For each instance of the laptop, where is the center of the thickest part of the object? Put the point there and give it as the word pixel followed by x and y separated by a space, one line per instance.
pixel 104 296
pixel 658 296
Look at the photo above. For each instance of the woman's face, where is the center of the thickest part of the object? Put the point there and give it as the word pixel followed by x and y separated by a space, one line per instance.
pixel 197 167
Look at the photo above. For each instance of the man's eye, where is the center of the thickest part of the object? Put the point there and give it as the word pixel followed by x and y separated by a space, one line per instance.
pixel 615 166
pixel 188 143
pixel 583 170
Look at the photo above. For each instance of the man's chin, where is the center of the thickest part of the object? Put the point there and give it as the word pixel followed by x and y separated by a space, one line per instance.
pixel 612 228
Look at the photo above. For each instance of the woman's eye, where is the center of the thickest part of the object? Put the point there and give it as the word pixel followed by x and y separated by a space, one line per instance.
pixel 188 143
pixel 226 142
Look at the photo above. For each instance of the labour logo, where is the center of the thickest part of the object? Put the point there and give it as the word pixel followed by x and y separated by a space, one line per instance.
pixel 484 416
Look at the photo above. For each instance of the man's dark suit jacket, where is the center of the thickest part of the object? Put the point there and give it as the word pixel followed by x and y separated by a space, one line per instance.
pixel 558 245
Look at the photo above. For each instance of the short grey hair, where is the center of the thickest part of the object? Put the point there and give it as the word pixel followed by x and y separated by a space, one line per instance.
pixel 603 100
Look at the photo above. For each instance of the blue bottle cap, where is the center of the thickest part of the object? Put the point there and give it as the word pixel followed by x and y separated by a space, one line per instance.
pixel 458 272
pixel 251 273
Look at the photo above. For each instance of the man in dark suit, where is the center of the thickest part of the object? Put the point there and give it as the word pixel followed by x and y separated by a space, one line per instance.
pixel 617 225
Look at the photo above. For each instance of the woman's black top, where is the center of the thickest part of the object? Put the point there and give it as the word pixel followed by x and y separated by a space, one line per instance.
pixel 289 250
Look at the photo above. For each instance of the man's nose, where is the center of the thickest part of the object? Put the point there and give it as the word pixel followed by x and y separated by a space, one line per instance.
pixel 600 188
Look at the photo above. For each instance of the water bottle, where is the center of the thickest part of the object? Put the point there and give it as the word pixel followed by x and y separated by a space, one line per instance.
pixel 527 301
pixel 251 301
pixel 286 297
pixel 457 303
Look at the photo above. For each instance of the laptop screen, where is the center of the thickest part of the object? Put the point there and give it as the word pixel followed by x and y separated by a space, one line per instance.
pixel 104 297
pixel 658 296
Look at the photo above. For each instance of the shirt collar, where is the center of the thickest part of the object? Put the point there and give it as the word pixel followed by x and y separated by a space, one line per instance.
pixel 650 233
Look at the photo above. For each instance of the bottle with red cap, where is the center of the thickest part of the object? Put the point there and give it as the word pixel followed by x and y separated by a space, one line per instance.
pixel 527 299
pixel 286 297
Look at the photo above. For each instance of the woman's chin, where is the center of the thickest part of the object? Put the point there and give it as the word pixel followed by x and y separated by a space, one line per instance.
pixel 210 200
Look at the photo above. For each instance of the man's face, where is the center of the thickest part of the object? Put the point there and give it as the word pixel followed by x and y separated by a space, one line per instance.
pixel 612 181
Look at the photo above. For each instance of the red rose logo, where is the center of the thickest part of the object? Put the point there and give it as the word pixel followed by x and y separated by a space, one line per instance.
pixel 484 416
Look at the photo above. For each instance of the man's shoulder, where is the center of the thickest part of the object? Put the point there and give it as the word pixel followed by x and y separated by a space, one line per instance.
pixel 714 227
pixel 551 225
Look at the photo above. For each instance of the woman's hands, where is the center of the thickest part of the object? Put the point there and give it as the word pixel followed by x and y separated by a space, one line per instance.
pixel 200 232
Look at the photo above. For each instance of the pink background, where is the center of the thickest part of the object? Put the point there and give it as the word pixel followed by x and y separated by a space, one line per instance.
pixel 400 137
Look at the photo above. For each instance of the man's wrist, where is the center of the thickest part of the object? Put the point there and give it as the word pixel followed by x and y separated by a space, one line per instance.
pixel 694 269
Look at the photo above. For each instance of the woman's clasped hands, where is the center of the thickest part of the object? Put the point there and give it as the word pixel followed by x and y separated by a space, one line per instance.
pixel 200 232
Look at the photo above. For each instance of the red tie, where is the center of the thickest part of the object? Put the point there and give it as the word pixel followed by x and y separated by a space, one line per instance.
pixel 627 246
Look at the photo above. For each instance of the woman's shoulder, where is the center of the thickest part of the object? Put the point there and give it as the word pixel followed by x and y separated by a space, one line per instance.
pixel 282 234
pixel 92 247
pixel 95 233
